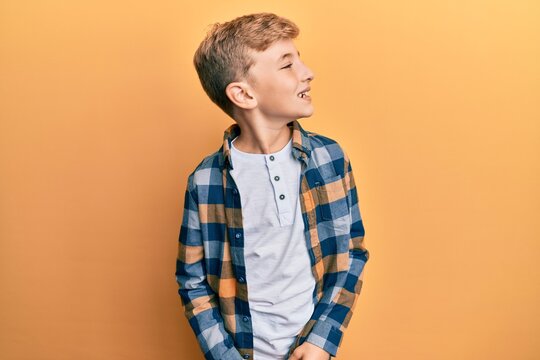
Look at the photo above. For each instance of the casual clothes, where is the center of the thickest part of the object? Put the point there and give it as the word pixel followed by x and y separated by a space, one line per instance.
pixel 278 270
pixel 222 256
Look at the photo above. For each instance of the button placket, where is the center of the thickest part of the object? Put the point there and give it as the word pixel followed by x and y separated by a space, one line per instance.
pixel 281 195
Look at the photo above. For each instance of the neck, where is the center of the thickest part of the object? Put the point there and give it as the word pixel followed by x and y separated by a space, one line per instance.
pixel 262 137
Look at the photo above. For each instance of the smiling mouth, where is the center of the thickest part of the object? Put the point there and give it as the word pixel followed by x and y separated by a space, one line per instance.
pixel 305 95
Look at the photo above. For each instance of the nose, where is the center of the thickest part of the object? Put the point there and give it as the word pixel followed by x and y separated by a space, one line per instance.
pixel 308 74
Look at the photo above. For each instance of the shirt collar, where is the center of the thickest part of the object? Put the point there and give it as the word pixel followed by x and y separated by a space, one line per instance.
pixel 301 147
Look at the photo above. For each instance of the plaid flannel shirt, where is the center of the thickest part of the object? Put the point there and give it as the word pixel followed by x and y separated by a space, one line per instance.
pixel 210 267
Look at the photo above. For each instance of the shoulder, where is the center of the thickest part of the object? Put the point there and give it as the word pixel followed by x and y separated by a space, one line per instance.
pixel 206 172
pixel 324 147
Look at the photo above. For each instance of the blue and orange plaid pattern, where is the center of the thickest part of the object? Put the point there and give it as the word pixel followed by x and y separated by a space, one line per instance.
pixel 210 267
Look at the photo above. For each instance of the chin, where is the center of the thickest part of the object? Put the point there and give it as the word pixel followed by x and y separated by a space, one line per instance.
pixel 307 114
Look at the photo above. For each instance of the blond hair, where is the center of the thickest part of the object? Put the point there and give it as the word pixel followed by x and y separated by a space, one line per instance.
pixel 222 57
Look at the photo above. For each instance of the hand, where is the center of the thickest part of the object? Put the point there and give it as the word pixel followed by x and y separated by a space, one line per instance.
pixel 308 351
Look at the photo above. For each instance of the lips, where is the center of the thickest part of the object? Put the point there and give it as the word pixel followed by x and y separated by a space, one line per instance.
pixel 304 94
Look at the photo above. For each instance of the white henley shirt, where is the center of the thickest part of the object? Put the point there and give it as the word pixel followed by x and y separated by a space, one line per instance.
pixel 279 278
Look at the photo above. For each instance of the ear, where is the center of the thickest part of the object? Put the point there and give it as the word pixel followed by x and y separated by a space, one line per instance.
pixel 241 95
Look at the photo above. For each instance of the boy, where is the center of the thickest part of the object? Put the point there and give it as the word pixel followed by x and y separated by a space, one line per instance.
pixel 271 253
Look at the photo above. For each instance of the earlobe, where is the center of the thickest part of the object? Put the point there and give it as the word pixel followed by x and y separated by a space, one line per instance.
pixel 240 95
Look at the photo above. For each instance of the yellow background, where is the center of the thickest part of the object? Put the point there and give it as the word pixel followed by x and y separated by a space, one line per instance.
pixel 103 118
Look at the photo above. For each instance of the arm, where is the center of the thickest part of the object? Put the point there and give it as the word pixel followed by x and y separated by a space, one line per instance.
pixel 201 306
pixel 333 312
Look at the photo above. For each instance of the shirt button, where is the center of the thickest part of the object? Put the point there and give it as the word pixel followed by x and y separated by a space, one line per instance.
pixel 238 235
pixel 282 196
pixel 241 279
pixel 245 318
pixel 276 178
pixel 272 157
pixel 246 356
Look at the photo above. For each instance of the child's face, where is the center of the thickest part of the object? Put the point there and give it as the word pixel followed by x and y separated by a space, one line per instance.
pixel 277 82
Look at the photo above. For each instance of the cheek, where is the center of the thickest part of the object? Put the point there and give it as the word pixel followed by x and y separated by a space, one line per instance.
pixel 278 94
pixel 277 89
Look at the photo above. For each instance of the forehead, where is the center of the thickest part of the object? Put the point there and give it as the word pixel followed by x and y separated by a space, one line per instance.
pixel 278 51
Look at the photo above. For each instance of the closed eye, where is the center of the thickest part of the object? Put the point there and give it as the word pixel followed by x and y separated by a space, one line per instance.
pixel 288 66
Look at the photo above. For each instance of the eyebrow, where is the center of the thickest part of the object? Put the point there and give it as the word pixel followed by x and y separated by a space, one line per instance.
pixel 287 55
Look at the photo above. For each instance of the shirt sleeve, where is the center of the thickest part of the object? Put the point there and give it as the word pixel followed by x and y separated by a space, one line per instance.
pixel 335 309
pixel 201 306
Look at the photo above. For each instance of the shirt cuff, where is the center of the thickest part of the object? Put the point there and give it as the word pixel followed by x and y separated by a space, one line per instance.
pixel 326 337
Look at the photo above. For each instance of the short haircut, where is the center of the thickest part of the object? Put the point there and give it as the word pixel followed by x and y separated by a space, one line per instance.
pixel 223 55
